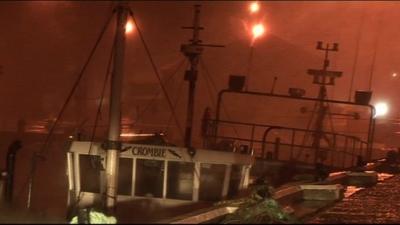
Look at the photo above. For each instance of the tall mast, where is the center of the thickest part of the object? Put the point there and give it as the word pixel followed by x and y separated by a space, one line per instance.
pixel 322 77
pixel 113 143
pixel 193 51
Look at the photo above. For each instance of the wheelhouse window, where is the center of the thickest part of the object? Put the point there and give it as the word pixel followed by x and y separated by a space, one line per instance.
pixel 149 178
pixel 211 181
pixel 180 180
pixel 125 176
pixel 90 166
pixel 234 181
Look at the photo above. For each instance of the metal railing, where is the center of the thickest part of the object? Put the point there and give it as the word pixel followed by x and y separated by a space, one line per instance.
pixel 371 125
pixel 341 151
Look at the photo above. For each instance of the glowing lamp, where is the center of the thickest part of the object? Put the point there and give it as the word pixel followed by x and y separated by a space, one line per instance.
pixel 129 27
pixel 254 7
pixel 381 109
pixel 258 30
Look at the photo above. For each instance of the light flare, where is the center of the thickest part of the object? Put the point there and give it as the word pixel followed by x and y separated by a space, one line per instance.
pixel 254 7
pixel 258 30
pixel 129 27
pixel 381 109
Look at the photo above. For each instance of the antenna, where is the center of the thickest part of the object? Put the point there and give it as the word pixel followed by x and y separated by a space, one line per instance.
pixel 192 51
pixel 353 73
pixel 322 77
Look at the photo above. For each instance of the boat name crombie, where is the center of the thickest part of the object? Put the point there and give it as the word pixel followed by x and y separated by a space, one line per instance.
pixel 148 151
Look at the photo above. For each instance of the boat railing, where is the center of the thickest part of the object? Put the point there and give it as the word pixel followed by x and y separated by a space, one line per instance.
pixel 341 151
pixel 269 142
pixel 218 122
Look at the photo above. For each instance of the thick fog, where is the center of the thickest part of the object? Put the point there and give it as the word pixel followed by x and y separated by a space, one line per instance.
pixel 44 45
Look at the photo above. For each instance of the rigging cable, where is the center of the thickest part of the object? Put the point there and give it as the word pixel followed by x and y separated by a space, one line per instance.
pixel 140 114
pixel 358 40
pixel 103 90
pixel 43 151
pixel 75 85
pixel 177 98
pixel 209 88
pixel 330 117
pixel 305 137
pixel 93 161
pixel 95 164
pixel 306 134
pixel 157 74
pixel 215 89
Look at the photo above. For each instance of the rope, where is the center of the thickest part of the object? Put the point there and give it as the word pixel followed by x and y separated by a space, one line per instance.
pixel 43 151
pixel 93 161
pixel 157 74
pixel 306 134
pixel 97 117
pixel 309 123
pixel 330 118
pixel 216 91
pixel 209 88
pixel 176 103
pixel 208 75
pixel 140 114
pixel 98 113
pixel 74 87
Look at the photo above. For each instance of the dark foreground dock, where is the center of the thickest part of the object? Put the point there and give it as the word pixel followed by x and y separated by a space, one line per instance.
pixel 377 204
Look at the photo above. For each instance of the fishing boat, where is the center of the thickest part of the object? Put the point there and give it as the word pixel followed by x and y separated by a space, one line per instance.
pixel 139 175
pixel 111 173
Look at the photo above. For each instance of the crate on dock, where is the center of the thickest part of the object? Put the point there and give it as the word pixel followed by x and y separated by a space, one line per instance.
pixel 362 179
pixel 322 192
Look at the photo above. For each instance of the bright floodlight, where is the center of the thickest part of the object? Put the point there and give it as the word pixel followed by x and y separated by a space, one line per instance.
pixel 254 7
pixel 129 27
pixel 381 109
pixel 258 30
pixel 394 74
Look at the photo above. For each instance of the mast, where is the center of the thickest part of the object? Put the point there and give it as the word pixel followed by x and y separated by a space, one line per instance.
pixel 193 51
pixel 113 143
pixel 321 78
